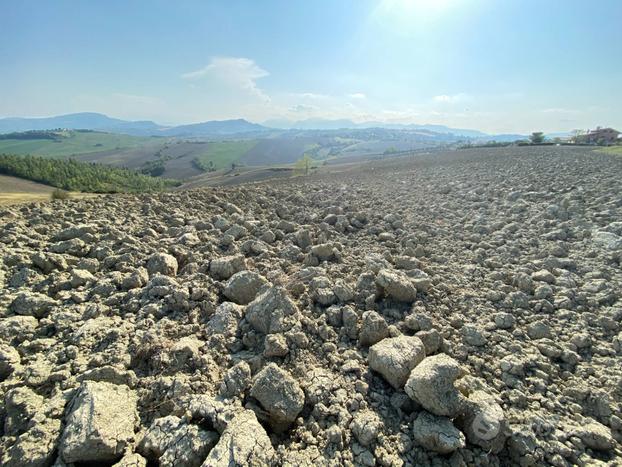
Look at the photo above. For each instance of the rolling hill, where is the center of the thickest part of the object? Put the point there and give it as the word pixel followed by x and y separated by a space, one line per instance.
pixel 84 120
pixel 325 124
pixel 103 123
pixel 71 143
pixel 214 128
pixel 183 158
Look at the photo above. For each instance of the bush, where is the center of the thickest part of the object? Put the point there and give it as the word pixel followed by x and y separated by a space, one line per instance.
pixel 60 194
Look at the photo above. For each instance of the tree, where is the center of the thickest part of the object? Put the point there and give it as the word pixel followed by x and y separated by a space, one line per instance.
pixel 303 165
pixel 537 137
pixel 578 136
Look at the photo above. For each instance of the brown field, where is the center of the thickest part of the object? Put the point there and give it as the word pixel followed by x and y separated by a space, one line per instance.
pixel 14 190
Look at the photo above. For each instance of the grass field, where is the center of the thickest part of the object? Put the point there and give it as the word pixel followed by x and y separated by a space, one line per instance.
pixel 223 153
pixel 615 150
pixel 75 143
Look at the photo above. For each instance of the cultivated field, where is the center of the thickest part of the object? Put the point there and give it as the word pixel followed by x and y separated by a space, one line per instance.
pixel 182 158
pixel 75 143
pixel 16 190
pixel 459 308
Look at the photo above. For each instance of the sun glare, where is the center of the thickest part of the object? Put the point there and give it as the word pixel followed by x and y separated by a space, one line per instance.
pixel 422 4
pixel 412 10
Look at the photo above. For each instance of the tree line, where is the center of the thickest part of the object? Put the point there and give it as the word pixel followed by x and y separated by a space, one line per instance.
pixel 72 175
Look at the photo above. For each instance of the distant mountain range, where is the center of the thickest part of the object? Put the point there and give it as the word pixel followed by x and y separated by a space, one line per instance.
pixel 215 127
pixel 100 122
pixel 82 121
pixel 322 124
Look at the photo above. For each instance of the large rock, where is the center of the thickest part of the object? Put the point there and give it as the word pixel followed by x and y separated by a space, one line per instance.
pixel 272 311
pixel 21 405
pixel 48 262
pixel 135 279
pixel 16 329
pixel 131 460
pixel 109 374
pixel 225 319
pixel 80 277
pixel 396 285
pixel 243 287
pixel 100 424
pixel 279 394
pixel 9 361
pixel 596 436
pixel 437 433
pixel 236 380
pixel 394 358
pixel 32 304
pixel 325 252
pixel 303 238
pixel 483 422
pixel 366 426
pixel 227 266
pixel 162 263
pixel 74 247
pixel 607 240
pixel 243 442
pixel 35 447
pixel 431 384
pixel 75 231
pixel 373 328
pixel 432 340
pixel 173 443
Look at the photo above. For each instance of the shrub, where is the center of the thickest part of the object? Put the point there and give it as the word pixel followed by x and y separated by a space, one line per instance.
pixel 60 194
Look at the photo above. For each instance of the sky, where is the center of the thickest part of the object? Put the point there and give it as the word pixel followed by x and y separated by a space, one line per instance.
pixel 500 66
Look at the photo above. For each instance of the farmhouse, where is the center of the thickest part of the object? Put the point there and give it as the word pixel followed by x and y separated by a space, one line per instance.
pixel 602 136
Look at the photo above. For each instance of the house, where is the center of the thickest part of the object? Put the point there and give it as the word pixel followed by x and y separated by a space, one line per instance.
pixel 601 136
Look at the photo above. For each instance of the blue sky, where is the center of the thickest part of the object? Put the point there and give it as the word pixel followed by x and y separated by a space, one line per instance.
pixel 497 66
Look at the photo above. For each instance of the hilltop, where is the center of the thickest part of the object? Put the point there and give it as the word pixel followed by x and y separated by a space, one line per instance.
pixel 103 123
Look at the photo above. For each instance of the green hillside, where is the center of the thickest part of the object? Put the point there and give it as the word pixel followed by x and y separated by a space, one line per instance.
pixel 71 143
pixel 72 175
pixel 222 154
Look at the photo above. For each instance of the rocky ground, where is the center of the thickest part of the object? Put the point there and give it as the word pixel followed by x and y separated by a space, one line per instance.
pixel 457 309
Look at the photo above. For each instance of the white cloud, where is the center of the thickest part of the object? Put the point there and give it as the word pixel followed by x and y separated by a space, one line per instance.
pixel 559 110
pixel 302 108
pixel 313 96
pixel 236 73
pixel 453 98
pixel 357 95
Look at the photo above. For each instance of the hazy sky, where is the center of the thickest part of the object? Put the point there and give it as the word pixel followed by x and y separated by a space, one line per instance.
pixel 493 65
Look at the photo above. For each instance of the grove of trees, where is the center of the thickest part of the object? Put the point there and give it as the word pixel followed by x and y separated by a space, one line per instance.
pixel 72 175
